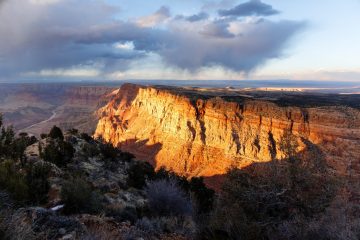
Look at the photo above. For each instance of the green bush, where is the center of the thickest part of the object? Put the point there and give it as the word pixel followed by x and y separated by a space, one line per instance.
pixel 139 173
pixel 86 137
pixel 78 197
pixel 13 181
pixel 126 157
pixel 203 196
pixel 28 185
pixel 43 135
pixel 90 150
pixel 58 152
pixel 109 151
pixel 19 146
pixel 56 133
pixel 111 156
pixel 8 144
pixel 73 131
pixel 38 184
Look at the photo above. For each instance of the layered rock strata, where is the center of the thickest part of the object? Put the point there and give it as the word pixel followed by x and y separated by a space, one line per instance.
pixel 195 135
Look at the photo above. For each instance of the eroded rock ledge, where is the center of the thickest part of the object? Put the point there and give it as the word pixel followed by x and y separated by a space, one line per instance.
pixel 196 134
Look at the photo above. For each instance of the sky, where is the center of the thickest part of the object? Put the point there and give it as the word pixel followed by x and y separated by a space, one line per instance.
pixel 71 40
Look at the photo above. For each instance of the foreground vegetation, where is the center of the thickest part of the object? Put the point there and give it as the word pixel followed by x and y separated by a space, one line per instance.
pixel 71 186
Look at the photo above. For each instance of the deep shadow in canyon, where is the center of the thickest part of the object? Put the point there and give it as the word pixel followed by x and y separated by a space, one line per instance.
pixel 142 150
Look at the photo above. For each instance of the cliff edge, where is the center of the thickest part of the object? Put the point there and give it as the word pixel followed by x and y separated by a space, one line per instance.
pixel 198 134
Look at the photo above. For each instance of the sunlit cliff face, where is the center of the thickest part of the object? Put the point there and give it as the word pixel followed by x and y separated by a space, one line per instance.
pixel 205 137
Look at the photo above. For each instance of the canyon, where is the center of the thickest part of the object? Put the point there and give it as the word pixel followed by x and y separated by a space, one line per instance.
pixel 195 130
pixel 205 131
pixel 35 108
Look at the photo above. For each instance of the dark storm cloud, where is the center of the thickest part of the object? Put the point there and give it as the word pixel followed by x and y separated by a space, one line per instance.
pixel 251 8
pixel 45 38
pixel 242 52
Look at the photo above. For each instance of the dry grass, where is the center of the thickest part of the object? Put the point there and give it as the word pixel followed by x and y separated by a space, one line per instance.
pixel 13 226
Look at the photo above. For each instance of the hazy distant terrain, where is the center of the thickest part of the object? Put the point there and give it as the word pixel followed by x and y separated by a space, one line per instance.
pixel 35 107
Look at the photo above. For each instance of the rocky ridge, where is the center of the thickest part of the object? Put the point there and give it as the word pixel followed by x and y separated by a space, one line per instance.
pixel 120 207
pixel 199 134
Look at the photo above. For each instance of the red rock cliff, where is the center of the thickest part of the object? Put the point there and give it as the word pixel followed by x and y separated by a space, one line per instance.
pixel 198 137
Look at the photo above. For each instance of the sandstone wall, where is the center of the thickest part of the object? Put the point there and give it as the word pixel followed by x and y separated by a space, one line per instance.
pixel 198 137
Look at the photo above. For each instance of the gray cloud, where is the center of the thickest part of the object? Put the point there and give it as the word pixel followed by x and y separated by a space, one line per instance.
pixel 158 17
pixel 251 8
pixel 197 17
pixel 2 2
pixel 217 29
pixel 164 11
pixel 211 5
pixel 242 52
pixel 45 38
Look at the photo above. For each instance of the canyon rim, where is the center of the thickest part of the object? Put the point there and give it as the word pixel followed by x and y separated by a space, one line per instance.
pixel 195 133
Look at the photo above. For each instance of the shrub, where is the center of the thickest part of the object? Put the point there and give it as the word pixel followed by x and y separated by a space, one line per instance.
pixel 111 156
pixel 25 186
pixel 56 133
pixel 183 226
pixel 123 214
pixel 257 199
pixel 13 225
pixel 78 197
pixel 52 154
pixel 43 135
pixel 204 196
pixel 73 131
pixel 339 222
pixel 59 153
pixel 148 226
pixel 139 173
pixel 90 150
pixel 27 139
pixel 86 137
pixel 13 181
pixel 19 146
pixel 8 144
pixel 166 198
pixel 37 181
pixel 5 201
pixel 182 182
pixel 109 151
pixel 126 157
pixel 100 232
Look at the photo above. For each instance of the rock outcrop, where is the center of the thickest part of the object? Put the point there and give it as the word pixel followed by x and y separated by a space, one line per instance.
pixel 87 95
pixel 196 134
